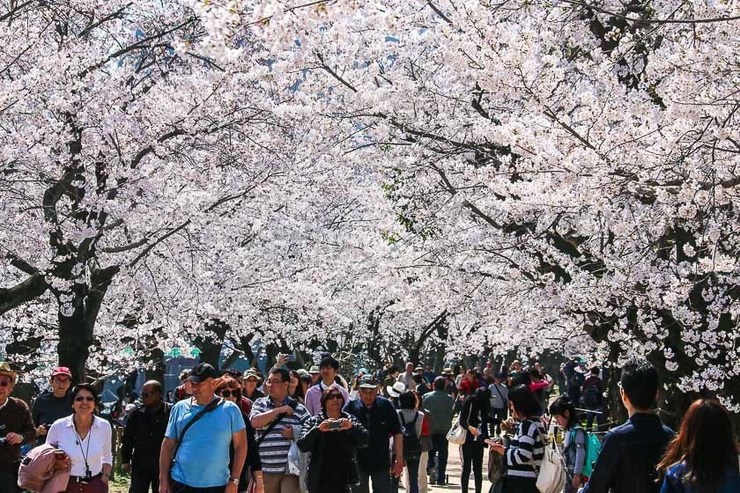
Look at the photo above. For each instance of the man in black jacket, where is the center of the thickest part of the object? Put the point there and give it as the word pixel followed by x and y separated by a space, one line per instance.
pixel 631 451
pixel 143 437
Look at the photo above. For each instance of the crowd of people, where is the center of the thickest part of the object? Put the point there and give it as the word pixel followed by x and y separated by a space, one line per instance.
pixel 297 431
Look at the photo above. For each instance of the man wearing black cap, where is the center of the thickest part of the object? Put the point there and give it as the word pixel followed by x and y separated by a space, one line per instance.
pixel 328 368
pixel 220 424
pixel 380 418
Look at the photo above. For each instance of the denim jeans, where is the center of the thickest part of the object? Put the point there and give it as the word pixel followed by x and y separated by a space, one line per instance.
pixel 439 450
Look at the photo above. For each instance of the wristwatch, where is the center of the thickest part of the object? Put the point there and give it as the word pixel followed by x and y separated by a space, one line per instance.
pixel 234 480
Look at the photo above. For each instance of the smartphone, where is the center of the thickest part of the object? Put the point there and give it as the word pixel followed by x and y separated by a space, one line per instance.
pixel 334 425
pixel 290 358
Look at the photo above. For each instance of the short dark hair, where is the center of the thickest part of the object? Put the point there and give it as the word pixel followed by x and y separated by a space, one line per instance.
pixel 440 383
pixel 84 386
pixel 284 374
pixel 595 370
pixel 417 378
pixel 391 370
pixel 330 362
pixel 563 404
pixel 639 381
pixel 524 401
pixel 407 400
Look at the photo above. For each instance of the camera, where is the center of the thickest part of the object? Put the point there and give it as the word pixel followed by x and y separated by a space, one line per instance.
pixel 335 425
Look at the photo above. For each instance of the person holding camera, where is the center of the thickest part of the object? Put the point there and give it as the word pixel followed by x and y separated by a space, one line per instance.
pixel 86 439
pixel 332 437
pixel 274 418
pixel 16 429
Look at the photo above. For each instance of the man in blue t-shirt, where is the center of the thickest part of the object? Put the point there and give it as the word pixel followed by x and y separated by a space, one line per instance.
pixel 201 462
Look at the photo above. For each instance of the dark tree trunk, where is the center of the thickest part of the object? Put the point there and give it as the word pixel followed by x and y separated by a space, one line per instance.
pixel 157 368
pixel 211 341
pixel 76 331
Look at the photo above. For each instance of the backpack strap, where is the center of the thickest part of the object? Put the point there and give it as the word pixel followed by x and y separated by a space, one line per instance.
pixel 209 407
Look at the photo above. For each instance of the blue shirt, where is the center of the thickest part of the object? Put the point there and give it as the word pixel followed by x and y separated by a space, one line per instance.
pixel 202 460
pixel 674 482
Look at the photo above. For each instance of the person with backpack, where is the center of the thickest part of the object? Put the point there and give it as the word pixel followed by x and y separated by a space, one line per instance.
pixel 574 444
pixel 474 419
pixel 575 381
pixel 592 397
pixel 526 450
pixel 194 457
pixel 411 420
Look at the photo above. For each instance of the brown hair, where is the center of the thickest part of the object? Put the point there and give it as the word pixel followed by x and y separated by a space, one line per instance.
pixel 705 443
pixel 228 382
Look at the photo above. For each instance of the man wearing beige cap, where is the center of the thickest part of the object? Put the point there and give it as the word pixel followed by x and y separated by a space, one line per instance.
pixel 16 429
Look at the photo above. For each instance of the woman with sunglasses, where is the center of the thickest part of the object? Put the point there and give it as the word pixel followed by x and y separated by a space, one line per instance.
pixel 86 439
pixel 332 437
pixel 231 390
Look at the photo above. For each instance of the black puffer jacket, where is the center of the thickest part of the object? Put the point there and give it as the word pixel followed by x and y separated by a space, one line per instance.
pixel 312 440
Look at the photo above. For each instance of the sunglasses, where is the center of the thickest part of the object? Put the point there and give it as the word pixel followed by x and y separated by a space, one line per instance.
pixel 229 393
pixel 80 398
pixel 4 382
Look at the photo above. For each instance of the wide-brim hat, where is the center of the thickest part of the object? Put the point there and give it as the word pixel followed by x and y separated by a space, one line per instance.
pixel 252 373
pixel 447 371
pixel 7 371
pixel 396 389
pixel 314 369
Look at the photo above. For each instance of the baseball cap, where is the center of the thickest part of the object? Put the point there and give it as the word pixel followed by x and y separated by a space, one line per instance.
pixel 202 372
pixel 61 370
pixel 368 382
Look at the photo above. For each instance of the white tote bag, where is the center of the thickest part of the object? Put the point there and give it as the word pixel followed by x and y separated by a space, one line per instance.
pixel 457 433
pixel 551 477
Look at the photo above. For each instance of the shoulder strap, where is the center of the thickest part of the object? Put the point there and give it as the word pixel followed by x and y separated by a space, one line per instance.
pixel 499 392
pixel 210 407
pixel 269 428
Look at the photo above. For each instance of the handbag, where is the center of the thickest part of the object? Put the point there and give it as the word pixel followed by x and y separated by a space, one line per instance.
pixel 551 476
pixel 457 433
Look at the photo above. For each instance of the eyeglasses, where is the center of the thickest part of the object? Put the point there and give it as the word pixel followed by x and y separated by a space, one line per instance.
pixel 81 398
pixel 229 393
pixel 4 382
pixel 334 396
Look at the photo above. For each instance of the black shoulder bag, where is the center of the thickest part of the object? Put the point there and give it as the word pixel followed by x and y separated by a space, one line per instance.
pixel 210 407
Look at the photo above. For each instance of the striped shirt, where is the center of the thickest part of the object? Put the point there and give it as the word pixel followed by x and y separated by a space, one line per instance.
pixel 524 455
pixel 274 447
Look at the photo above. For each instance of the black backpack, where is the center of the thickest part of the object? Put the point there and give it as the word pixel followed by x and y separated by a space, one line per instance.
pixel 411 441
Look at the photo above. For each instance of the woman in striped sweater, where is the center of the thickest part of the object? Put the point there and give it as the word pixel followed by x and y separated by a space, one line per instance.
pixel 524 454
